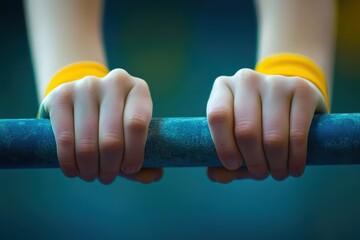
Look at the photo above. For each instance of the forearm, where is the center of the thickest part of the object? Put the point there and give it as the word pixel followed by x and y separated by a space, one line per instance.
pixel 63 32
pixel 305 27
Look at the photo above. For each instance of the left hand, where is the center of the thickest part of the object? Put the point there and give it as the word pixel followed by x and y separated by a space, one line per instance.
pixel 263 120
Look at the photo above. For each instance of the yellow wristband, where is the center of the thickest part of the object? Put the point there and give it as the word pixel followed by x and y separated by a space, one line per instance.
pixel 75 72
pixel 295 65
pixel 72 73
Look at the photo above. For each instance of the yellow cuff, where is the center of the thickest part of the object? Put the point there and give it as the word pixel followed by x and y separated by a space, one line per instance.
pixel 295 65
pixel 75 72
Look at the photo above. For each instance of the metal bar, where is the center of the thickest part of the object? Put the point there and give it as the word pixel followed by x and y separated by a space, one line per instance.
pixel 177 142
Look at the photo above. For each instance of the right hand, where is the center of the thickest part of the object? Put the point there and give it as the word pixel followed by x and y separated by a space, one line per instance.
pixel 263 120
pixel 100 127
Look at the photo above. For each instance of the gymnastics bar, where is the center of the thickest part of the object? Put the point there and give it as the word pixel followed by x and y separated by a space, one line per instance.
pixel 177 142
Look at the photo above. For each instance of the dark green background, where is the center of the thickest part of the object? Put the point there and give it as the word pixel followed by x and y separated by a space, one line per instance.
pixel 179 47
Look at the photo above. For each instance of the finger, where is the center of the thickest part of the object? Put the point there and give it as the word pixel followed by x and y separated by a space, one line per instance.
pixel 302 111
pixel 111 133
pixel 86 128
pixel 149 175
pixel 62 121
pixel 145 176
pixel 137 116
pixel 247 112
pixel 220 119
pixel 275 116
pixel 223 175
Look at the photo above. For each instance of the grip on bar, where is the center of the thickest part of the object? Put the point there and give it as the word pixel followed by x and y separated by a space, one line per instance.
pixel 178 142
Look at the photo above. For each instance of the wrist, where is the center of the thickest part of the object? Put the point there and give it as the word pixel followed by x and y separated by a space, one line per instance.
pixel 70 73
pixel 74 72
pixel 288 64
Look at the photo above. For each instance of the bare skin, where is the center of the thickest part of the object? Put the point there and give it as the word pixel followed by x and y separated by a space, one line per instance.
pixel 101 124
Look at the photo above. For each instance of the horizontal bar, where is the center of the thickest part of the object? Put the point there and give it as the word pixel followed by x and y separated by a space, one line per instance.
pixel 178 142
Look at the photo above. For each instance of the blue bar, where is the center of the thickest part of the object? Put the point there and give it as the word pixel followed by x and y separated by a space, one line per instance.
pixel 177 142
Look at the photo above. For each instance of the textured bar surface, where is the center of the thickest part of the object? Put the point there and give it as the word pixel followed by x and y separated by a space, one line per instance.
pixel 178 142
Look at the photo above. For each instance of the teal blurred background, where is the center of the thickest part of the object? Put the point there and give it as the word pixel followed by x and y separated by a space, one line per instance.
pixel 179 47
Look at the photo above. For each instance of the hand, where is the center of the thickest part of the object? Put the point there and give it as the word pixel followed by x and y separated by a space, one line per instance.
pixel 100 127
pixel 263 120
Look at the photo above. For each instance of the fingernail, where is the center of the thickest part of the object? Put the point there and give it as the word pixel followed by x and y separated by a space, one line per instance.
pixel 232 164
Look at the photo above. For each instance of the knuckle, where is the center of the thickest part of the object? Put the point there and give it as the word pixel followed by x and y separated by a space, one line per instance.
pixel 111 142
pixel 119 79
pixel 304 89
pixel 221 80
pixel 219 115
pixel 298 136
pixel 137 123
pixel 245 73
pixel 301 84
pixel 63 93
pixel 89 82
pixel 86 147
pixel 65 139
pixel 245 131
pixel 273 78
pixel 274 140
pixel 120 74
pixel 142 84
pixel 246 77
pixel 276 83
